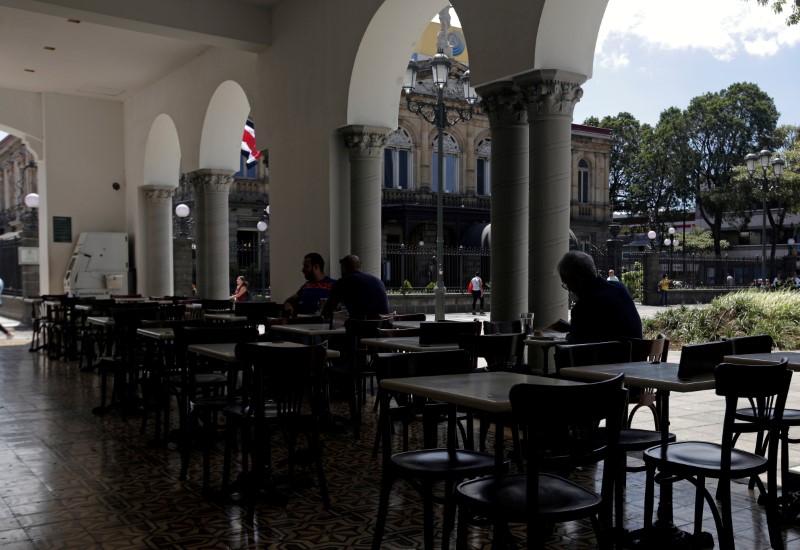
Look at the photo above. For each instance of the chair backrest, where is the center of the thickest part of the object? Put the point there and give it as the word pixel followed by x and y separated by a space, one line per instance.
pixel 127 321
pixel 702 358
pixel 446 332
pixel 765 387
pixel 759 343
pixel 258 311
pixel 172 312
pixel 216 305
pixel 502 327
pixel 594 353
pixel 408 317
pixel 423 363
pixel 282 379
pixel 649 350
pixel 501 352
pixel 569 438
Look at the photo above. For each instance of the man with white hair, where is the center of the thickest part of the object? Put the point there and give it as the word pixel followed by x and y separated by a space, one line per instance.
pixel 604 310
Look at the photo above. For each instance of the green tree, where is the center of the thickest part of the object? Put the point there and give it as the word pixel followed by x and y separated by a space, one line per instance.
pixel 625 140
pixel 722 127
pixel 777 6
pixel 701 240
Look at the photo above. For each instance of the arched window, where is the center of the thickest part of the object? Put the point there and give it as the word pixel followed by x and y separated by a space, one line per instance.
pixel 483 168
pixel 451 152
pixel 397 163
pixel 583 182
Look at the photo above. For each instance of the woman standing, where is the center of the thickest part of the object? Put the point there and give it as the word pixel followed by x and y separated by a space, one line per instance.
pixel 241 294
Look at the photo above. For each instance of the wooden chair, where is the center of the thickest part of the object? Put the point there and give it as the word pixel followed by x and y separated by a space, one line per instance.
pixel 502 327
pixel 695 461
pixel 422 468
pixel 408 317
pixel 397 332
pixel 560 443
pixel 702 358
pixel 280 394
pixel 502 352
pixel 656 350
pixel 446 332
pixel 630 439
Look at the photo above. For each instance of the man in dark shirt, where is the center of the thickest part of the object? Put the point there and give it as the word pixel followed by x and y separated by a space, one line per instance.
pixel 604 310
pixel 362 294
pixel 306 301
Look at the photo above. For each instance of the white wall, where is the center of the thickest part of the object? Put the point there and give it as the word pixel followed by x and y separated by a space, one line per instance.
pixel 84 157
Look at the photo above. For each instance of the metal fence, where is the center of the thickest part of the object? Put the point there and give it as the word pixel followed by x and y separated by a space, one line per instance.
pixel 415 267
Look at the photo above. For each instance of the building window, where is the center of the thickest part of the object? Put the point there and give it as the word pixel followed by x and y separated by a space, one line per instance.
pixel 245 171
pixel 583 182
pixel 397 166
pixel 450 164
pixel 483 169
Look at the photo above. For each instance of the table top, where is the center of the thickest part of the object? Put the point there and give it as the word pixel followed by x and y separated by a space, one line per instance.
pixel 102 321
pixel 661 376
pixel 483 391
pixel 405 343
pixel 225 317
pixel 766 358
pixel 159 333
pixel 227 351
pixel 309 329
pixel 547 338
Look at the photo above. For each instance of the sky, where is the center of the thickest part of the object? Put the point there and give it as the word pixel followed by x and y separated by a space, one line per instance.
pixel 654 55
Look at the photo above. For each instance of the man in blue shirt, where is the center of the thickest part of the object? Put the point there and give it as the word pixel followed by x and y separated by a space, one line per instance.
pixel 363 295
pixel 604 310
pixel 306 301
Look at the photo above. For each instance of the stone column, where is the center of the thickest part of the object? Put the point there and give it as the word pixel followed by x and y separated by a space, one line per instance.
pixel 509 133
pixel 159 240
pixel 366 144
pixel 550 97
pixel 211 232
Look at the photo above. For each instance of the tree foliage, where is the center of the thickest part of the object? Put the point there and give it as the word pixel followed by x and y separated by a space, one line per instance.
pixel 793 18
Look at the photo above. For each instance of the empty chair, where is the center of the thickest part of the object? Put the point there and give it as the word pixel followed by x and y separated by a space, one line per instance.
pixel 279 395
pixel 422 468
pixel 758 343
pixel 408 317
pixel 258 312
pixel 446 332
pixel 630 439
pixel 695 461
pixel 656 350
pixel 553 442
pixel 502 327
pixel 216 306
pixel 501 352
pixel 702 358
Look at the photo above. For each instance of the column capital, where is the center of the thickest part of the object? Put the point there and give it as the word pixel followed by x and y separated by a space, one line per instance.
pixel 503 103
pixel 158 194
pixel 551 91
pixel 211 181
pixel 365 141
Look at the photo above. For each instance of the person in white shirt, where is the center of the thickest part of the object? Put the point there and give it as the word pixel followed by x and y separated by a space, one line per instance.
pixel 611 276
pixel 477 291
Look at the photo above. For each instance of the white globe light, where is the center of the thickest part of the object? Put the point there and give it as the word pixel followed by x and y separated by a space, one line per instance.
pixel 267 210
pixel 671 230
pixel 651 235
pixel 262 226
pixel 181 210
pixel 667 242
pixel 32 200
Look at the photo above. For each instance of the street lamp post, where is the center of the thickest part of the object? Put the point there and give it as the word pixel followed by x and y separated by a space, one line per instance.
pixel 777 168
pixel 670 242
pixel 262 227
pixel 442 116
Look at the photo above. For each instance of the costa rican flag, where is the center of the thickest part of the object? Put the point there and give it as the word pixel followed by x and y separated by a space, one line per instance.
pixel 249 144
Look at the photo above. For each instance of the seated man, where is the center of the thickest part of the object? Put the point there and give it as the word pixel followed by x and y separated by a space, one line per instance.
pixel 604 310
pixel 363 295
pixel 317 288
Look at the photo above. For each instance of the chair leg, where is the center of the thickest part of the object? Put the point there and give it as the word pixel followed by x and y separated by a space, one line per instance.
pixel 383 509
pixel 461 527
pixel 649 496
pixel 427 514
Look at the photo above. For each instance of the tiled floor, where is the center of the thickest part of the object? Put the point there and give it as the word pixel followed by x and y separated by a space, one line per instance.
pixel 69 479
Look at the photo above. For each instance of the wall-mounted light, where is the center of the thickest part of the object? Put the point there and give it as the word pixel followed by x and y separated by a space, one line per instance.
pixel 32 200
pixel 182 210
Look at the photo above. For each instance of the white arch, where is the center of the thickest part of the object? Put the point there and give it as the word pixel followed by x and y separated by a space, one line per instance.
pixel 220 142
pixel 162 153
pixel 559 20
pixel 382 58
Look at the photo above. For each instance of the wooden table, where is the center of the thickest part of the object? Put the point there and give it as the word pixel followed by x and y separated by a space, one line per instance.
pixel 766 359
pixel 224 317
pixel 405 343
pixel 547 340
pixel 483 391
pixel 309 331
pixel 663 377
pixel 227 352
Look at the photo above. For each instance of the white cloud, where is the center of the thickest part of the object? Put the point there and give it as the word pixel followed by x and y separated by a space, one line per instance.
pixel 722 28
